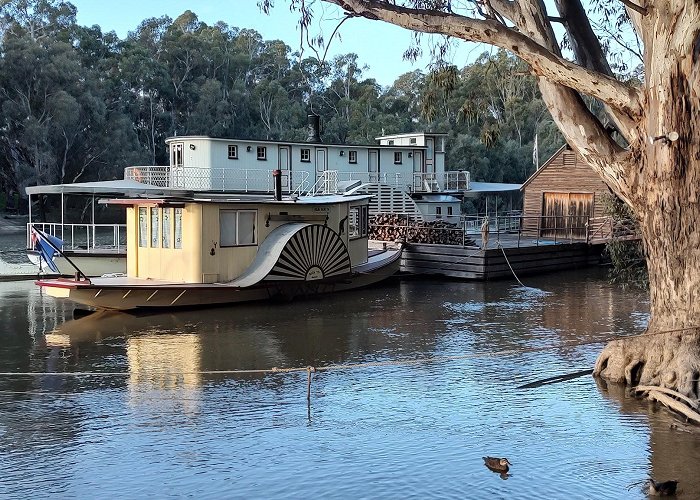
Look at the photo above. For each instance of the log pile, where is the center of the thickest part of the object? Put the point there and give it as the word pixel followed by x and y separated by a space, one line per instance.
pixel 393 227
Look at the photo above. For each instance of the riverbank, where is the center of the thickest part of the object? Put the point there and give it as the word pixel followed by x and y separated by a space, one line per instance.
pixel 13 223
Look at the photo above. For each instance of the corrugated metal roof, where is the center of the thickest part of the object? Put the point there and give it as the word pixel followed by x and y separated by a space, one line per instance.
pixel 492 187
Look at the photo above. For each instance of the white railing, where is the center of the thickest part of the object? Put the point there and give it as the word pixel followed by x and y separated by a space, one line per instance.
pixel 425 182
pixel 149 174
pixel 326 184
pixel 89 237
pixel 216 179
pixel 393 180
pixel 293 182
pixel 457 181
pixel 431 182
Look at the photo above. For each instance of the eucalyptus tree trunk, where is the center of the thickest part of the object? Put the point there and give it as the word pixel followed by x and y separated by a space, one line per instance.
pixel 655 169
pixel 666 199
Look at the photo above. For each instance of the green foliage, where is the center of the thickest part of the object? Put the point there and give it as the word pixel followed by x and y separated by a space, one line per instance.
pixel 78 104
pixel 626 257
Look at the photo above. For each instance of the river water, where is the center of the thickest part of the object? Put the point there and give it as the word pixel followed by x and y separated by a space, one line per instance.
pixel 168 417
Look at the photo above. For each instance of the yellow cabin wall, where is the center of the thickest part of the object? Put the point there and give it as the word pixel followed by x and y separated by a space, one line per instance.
pixel 132 232
pixel 202 259
pixel 171 264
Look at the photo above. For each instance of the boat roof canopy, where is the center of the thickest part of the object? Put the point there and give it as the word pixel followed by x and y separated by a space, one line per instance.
pixel 477 188
pixel 107 188
pixel 239 198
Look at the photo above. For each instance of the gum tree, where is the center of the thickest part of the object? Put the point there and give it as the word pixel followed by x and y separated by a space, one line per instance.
pixel 650 156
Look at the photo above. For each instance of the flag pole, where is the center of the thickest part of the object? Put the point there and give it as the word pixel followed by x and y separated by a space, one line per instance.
pixel 51 244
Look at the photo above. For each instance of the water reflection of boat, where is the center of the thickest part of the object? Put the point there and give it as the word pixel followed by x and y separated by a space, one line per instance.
pixel 185 251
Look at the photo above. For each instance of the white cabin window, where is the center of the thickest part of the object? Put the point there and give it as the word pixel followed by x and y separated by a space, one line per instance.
pixel 358 222
pixel 232 152
pixel 262 153
pixel 449 210
pixel 143 227
pixel 398 157
pixel 237 228
pixel 390 142
pixel 154 227
pixel 438 212
pixel 178 228
pixel 305 155
pixel 352 156
pixel 167 218
pixel 413 140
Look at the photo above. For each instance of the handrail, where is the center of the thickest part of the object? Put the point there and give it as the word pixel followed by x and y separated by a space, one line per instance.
pixel 214 179
pixel 515 228
pixel 89 237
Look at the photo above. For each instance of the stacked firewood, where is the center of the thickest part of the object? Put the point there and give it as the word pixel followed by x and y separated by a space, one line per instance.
pixel 393 227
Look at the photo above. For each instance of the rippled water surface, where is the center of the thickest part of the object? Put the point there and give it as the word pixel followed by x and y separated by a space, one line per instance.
pixel 168 417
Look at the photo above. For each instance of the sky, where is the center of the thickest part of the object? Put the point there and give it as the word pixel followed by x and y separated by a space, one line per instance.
pixel 378 45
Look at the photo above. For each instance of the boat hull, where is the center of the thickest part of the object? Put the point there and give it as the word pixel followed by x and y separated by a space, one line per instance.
pixel 90 263
pixel 121 293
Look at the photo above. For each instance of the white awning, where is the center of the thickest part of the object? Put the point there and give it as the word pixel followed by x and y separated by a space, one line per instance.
pixel 107 188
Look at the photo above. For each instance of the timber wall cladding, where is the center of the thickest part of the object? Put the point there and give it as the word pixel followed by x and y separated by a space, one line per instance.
pixel 563 173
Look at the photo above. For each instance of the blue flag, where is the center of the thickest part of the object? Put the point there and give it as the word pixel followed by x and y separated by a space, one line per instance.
pixel 46 250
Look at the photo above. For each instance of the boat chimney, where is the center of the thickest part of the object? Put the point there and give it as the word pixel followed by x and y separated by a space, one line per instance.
pixel 314 128
pixel 277 180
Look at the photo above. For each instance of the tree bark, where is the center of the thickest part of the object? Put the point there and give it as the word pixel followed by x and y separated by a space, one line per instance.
pixel 664 192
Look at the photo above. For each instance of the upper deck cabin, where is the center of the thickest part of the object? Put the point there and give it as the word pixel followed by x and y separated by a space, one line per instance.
pixel 216 239
pixel 412 163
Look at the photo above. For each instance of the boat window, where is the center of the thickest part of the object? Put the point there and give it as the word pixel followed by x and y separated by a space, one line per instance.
pixel 397 157
pixel 352 156
pixel 154 227
pixel 166 227
pixel 438 212
pixel 305 155
pixel 143 227
pixel 449 210
pixel 232 152
pixel 353 222
pixel 178 228
pixel 237 227
pixel 358 222
pixel 364 220
pixel 262 153
pixel 246 228
pixel 440 145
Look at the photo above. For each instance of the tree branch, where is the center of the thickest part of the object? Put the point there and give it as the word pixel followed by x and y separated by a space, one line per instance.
pixel 589 53
pixel 635 7
pixel 543 62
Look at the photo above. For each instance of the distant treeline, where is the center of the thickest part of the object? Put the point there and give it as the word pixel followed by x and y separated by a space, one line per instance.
pixel 79 104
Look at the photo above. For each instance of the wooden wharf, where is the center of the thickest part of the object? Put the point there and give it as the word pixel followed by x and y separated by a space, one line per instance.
pixel 514 247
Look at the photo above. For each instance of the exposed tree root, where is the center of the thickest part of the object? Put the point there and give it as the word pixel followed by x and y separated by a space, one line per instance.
pixel 649 388
pixel 665 366
pixel 675 405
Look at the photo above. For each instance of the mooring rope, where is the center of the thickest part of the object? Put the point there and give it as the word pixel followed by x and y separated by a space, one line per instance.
pixel 508 262
pixel 611 336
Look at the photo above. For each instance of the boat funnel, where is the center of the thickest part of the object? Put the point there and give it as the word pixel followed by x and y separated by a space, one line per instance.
pixel 277 181
pixel 314 125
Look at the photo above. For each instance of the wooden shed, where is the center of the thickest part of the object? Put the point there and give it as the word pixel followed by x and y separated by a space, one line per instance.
pixel 561 196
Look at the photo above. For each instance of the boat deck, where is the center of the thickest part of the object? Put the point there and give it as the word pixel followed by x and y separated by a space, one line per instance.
pixel 500 260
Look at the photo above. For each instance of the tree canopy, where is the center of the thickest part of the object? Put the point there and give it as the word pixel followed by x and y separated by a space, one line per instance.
pixel 80 104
